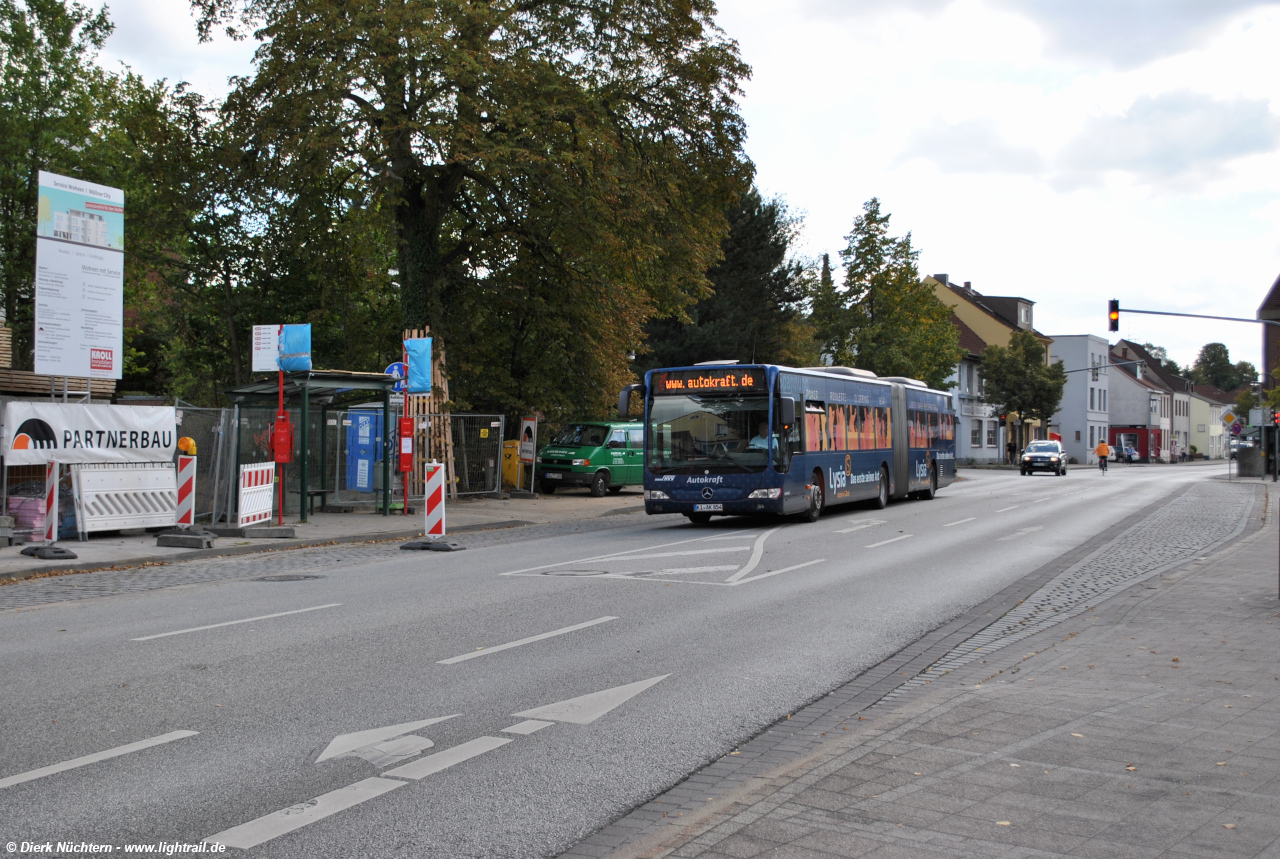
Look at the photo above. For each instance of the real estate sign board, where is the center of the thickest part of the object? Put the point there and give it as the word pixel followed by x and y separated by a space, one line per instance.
pixel 79 324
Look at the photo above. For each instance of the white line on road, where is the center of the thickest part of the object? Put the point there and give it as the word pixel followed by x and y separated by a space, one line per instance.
pixel 432 764
pixel 960 522
pixel 278 823
pixel 1046 498
pixel 778 572
pixel 756 554
pixel 887 542
pixel 234 622
pixel 530 640
pixel 615 554
pixel 867 523
pixel 95 757
pixel 1003 509
pixel 687 552
pixel 528 726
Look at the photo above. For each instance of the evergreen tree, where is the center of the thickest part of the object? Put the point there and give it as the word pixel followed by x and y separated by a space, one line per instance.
pixel 1213 367
pixel 753 313
pixel 884 319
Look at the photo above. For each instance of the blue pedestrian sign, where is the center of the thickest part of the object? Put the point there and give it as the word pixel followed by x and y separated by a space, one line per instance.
pixel 400 370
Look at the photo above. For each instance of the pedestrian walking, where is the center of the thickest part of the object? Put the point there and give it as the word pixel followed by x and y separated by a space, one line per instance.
pixel 1012 450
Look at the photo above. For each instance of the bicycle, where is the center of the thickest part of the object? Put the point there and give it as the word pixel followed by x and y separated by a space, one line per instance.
pixel 1102 464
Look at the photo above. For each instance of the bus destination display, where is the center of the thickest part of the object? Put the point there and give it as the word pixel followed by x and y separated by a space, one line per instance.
pixel 727 380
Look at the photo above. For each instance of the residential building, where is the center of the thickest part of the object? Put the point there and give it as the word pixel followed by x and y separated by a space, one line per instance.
pixel 1082 419
pixel 1270 311
pixel 1141 411
pixel 993 319
pixel 1180 389
pixel 1208 436
pixel 978 436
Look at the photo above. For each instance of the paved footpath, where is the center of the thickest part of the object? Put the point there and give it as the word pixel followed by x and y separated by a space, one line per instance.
pixel 1143 724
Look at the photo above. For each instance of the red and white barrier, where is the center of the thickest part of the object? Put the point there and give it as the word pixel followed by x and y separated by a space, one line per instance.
pixel 50 503
pixel 257 482
pixel 186 516
pixel 434 500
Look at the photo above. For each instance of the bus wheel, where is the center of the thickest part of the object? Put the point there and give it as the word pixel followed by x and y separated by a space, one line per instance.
pixel 881 500
pixel 698 518
pixel 931 491
pixel 816 499
pixel 599 484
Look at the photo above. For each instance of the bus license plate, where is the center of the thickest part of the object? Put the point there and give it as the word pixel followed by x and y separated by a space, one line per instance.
pixel 708 508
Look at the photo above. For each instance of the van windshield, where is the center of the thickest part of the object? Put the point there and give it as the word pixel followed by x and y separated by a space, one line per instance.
pixel 713 433
pixel 581 435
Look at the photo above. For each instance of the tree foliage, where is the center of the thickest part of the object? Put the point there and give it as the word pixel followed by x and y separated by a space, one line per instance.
pixel 883 318
pixel 555 172
pixel 1213 367
pixel 1018 380
pixel 754 313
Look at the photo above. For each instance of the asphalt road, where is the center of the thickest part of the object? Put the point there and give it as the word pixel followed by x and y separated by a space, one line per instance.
pixel 711 632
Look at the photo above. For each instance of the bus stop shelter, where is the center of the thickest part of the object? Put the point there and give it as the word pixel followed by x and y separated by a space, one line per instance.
pixel 306 390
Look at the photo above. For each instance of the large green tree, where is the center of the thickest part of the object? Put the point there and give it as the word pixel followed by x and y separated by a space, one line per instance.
pixel 754 313
pixel 1213 367
pixel 556 171
pixel 52 103
pixel 1018 380
pixel 885 319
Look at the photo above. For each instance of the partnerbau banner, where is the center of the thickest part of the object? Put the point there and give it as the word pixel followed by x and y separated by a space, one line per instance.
pixel 35 433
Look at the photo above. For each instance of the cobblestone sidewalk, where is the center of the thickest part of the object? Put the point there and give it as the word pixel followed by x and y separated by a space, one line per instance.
pixel 1145 726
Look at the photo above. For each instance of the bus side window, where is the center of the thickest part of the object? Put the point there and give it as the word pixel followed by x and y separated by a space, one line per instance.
pixel 815 429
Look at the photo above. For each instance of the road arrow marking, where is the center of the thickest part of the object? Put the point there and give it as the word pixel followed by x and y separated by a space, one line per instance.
pixel 587 708
pixel 75 763
pixel 777 572
pixel 757 553
pixel 1021 532
pixel 278 823
pixel 432 764
pixel 345 744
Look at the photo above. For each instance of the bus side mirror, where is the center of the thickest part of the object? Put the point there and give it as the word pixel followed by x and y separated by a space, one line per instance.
pixel 624 401
pixel 788 415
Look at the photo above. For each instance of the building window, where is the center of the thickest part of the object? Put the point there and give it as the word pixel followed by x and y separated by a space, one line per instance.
pixel 975 434
pixel 1077 435
pixel 968 372
pixel 1091 431
pixel 1091 405
pixel 991 433
pixel 1104 399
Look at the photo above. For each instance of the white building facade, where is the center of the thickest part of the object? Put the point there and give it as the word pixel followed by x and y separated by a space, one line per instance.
pixel 1085 413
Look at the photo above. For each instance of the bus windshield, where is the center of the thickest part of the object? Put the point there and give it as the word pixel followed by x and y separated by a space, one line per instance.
pixel 718 433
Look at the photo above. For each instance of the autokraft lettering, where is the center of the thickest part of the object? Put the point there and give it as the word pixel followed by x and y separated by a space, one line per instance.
pixel 706 480
pixel 81 433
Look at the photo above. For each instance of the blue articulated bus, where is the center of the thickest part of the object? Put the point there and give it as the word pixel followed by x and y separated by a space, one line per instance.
pixel 726 439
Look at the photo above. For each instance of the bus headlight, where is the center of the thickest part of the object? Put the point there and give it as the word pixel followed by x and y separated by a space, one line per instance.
pixel 655 495
pixel 767 493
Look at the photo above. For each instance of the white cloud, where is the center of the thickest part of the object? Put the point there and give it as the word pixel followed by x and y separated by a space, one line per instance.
pixel 1180 135
pixel 971 146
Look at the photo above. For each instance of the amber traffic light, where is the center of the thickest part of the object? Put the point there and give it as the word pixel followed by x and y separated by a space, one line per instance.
pixel 1113 315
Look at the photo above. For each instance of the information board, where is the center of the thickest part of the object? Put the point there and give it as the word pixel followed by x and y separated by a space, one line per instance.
pixel 79 306
pixel 266 348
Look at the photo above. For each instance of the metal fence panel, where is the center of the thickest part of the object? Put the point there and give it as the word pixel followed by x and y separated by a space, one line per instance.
pixel 477 453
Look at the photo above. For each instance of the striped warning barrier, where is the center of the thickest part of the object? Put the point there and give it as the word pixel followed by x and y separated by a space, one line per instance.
pixel 50 503
pixel 435 500
pixel 257 482
pixel 186 491
pixel 114 495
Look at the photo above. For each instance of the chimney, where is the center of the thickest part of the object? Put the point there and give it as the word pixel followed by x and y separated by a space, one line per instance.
pixel 1124 352
pixel 944 278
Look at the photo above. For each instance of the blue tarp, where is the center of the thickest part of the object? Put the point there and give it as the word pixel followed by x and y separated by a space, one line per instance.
pixel 418 353
pixel 295 348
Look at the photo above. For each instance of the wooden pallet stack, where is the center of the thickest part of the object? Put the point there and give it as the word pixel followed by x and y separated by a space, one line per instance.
pixel 433 442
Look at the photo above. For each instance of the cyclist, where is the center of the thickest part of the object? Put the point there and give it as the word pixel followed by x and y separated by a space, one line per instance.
pixel 1103 450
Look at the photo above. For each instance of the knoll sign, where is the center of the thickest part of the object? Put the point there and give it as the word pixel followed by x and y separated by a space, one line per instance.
pixel 36 433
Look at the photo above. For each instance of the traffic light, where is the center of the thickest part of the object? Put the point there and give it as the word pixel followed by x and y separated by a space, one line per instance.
pixel 1002 417
pixel 1275 418
pixel 1113 315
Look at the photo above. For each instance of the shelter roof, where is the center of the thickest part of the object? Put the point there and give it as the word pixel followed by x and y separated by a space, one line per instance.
pixel 317 383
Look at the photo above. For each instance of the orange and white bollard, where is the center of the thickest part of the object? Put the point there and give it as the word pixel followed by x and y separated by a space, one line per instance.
pixel 50 503
pixel 186 515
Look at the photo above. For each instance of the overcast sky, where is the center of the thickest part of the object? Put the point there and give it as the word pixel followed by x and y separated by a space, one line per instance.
pixel 1066 152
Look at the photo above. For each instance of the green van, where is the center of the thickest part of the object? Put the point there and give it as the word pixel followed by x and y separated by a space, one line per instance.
pixel 604 456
